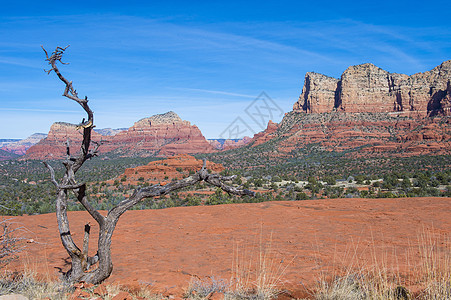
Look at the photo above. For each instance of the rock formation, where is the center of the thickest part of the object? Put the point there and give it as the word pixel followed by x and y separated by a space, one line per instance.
pixel 163 135
pixel 367 88
pixel 21 146
pixel 318 94
pixel 175 167
pixel 227 144
pixel 366 134
pixel 265 135
pixel 55 144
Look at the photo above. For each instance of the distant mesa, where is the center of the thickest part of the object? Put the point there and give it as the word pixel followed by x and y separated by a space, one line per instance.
pixel 227 144
pixel 367 112
pixel 161 135
pixel 109 131
pixel 367 108
pixel 19 147
pixel 367 88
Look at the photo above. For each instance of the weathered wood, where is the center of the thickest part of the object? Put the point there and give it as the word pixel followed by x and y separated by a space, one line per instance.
pixel 84 261
pixel 80 269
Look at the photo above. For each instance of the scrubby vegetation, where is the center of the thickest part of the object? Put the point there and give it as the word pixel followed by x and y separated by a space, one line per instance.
pixel 310 174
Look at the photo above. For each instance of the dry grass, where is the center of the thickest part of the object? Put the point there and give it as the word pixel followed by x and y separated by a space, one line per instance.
pixel 257 273
pixel 435 272
pixel 29 285
pixel 431 276
pixel 12 241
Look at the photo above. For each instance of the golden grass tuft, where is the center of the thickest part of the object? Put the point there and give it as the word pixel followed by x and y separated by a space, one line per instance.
pixel 431 276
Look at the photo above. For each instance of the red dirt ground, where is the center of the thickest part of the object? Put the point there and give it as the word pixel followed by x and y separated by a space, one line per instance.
pixel 312 238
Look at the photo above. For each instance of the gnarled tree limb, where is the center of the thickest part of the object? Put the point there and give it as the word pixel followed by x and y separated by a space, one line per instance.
pixel 81 263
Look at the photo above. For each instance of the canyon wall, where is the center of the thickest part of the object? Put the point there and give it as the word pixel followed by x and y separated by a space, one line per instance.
pixel 367 88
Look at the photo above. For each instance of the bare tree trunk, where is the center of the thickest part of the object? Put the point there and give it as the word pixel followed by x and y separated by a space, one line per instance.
pixel 85 268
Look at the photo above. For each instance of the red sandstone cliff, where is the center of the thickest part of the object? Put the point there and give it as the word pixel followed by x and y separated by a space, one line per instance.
pixel 54 145
pixel 364 134
pixel 265 135
pixel 164 134
pixel 367 88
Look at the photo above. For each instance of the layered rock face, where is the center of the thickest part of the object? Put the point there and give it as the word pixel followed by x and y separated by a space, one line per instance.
pixel 265 135
pixel 55 144
pixel 20 147
pixel 227 144
pixel 367 88
pixel 318 94
pixel 364 134
pixel 163 135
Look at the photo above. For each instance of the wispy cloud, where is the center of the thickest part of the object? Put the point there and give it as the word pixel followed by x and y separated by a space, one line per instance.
pixel 19 62
pixel 38 110
pixel 136 66
pixel 217 92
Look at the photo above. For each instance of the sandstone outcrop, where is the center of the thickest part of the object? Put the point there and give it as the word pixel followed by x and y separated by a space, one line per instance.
pixel 318 94
pixel 20 147
pixel 55 144
pixel 314 236
pixel 364 134
pixel 175 167
pixel 163 135
pixel 367 88
pixel 265 135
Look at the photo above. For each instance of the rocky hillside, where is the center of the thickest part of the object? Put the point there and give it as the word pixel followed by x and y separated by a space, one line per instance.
pixel 367 88
pixel 363 133
pixel 4 155
pixel 368 111
pixel 163 134
pixel 227 144
pixel 19 147
pixel 175 167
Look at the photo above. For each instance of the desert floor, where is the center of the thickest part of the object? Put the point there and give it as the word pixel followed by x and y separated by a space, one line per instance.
pixel 304 240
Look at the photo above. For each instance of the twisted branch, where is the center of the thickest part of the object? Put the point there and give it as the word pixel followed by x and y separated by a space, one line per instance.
pixel 80 260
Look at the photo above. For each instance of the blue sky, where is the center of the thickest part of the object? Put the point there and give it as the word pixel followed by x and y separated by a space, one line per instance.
pixel 205 60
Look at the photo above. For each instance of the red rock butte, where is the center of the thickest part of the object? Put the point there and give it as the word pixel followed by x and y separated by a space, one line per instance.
pixel 367 88
pixel 369 110
pixel 161 135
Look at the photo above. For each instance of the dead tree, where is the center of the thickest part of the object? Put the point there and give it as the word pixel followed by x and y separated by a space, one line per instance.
pixel 99 267
pixel 11 242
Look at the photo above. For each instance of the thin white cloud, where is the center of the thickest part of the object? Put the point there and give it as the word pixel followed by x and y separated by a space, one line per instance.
pixel 37 110
pixel 19 62
pixel 217 92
